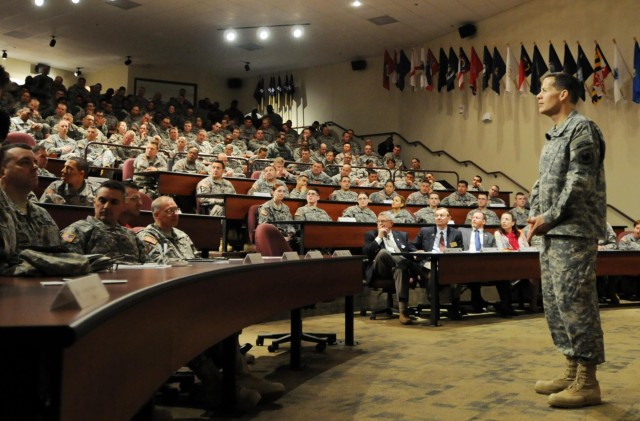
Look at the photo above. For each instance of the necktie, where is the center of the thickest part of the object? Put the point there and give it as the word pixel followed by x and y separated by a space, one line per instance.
pixel 441 243
pixel 477 239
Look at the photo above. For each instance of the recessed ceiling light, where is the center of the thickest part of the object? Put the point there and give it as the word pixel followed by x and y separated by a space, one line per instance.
pixel 263 33
pixel 230 35
pixel 297 31
pixel 39 3
pixel 356 3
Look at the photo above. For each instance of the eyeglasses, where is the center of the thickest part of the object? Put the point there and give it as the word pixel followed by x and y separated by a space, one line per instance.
pixel 173 211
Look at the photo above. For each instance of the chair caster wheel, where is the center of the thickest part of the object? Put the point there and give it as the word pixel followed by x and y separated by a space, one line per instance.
pixel 259 341
pixel 321 346
pixel 273 348
pixel 372 317
pixel 363 313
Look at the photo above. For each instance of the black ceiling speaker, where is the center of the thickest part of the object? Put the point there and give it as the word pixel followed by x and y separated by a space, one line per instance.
pixel 358 64
pixel 467 30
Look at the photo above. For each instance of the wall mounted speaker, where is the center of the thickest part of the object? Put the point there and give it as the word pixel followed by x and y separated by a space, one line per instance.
pixel 358 64
pixel 467 30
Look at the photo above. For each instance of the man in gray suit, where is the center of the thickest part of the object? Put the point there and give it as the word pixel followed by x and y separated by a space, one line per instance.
pixel 378 247
pixel 474 239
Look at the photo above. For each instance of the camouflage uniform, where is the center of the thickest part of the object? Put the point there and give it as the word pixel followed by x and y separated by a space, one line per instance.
pixel 55 143
pixel 496 201
pixel 455 199
pixel 321 178
pixel 274 150
pixel 426 215
pixel 520 216
pixel 183 166
pixel 63 193
pixel 97 155
pixel 263 186
pixel 489 215
pixel 343 196
pixel 570 195
pixel 297 194
pixel 247 133
pixel 92 236
pixel 401 184
pixel 361 215
pixel 204 147
pixel 311 213
pixel 381 196
pixel 179 245
pixel 211 186
pixel 270 213
pixel 610 243
pixel 418 198
pixel 148 185
pixel 403 217
pixel 629 243
pixel 43 172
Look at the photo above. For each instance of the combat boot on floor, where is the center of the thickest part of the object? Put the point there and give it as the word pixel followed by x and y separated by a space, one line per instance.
pixel 211 378
pixel 547 387
pixel 584 391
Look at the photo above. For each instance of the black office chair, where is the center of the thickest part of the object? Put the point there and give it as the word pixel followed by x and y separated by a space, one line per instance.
pixel 270 242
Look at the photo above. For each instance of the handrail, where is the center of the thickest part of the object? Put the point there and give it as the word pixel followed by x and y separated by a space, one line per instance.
pixel 465 162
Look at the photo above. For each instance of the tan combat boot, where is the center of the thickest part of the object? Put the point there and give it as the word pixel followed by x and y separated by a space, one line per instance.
pixel 547 387
pixel 584 391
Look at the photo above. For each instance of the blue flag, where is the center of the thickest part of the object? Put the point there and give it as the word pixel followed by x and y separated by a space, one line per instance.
pixel 499 70
pixel 636 73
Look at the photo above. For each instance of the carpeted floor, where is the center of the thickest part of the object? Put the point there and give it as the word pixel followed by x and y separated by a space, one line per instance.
pixel 475 369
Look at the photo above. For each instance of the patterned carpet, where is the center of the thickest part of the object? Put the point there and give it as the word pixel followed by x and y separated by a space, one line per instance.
pixel 476 369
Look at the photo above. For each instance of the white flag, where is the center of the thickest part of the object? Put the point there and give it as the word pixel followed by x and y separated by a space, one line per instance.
pixel 414 70
pixel 512 72
pixel 423 74
pixel 621 73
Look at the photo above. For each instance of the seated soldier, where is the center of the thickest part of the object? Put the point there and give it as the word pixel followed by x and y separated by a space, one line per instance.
pixel 389 172
pixel 371 180
pixel 300 190
pixel 408 182
pixel 435 185
pixel 279 147
pixel 129 139
pixel 490 216
pixel 147 162
pixel 215 184
pixel 494 200
pixel 102 233
pixel 73 188
pixel 385 195
pixel 281 170
pixel 520 212
pixel 344 194
pixel 476 183
pixel 311 211
pixel 427 215
pixel 22 223
pixel 369 155
pixel 190 163
pixel 275 210
pixel 42 159
pixel 266 182
pixel 395 155
pixel 96 155
pixel 361 212
pixel 460 197
pixel 331 168
pixel 420 197
pixel 61 144
pixel 202 143
pixel 132 204
pixel 345 171
pixel 163 242
pixel 317 175
pixel 303 162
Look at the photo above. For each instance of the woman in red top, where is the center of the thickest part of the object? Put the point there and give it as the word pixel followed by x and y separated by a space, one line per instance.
pixel 508 236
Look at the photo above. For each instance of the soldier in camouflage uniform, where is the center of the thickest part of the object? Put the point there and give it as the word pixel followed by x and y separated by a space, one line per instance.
pixel 310 211
pixel 460 197
pixel 519 212
pixel 163 231
pixel 22 223
pixel 490 216
pixel 399 213
pixel 385 195
pixel 316 174
pixel 42 158
pixel 215 184
pixel 494 200
pixel 300 190
pixel 73 188
pixel 201 143
pixel 101 233
pixel 344 194
pixel 275 210
pixel 420 197
pixel 361 212
pixel 427 215
pixel 568 207
pixel 266 182
pixel 631 241
pixel 190 163
pixel 149 161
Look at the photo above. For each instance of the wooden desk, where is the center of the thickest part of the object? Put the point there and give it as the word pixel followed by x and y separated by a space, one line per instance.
pixel 461 268
pixel 205 231
pixel 103 363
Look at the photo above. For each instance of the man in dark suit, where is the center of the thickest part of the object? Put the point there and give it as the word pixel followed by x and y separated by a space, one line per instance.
pixel 378 247
pixel 436 240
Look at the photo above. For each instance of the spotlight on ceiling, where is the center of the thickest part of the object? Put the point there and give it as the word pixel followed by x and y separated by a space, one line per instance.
pixel 75 1
pixel 263 33
pixel 4 54
pixel 38 3
pixel 230 35
pixel 297 31
pixel 356 3
pixel 246 66
pixel 127 61
pixel 78 72
pixel 53 41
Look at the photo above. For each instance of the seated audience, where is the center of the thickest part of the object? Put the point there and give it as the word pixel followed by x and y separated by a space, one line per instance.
pixel 42 159
pixel 316 174
pixel 435 185
pixel 427 214
pixel 494 200
pixel 149 161
pixel 344 194
pixel 476 183
pixel 400 215
pixel 215 184
pixel 408 182
pixel 420 197
pixel 300 190
pixel 190 163
pixel 266 182
pixel 385 195
pixel 520 212
pixel 276 210
pixel 361 212
pixel 311 211
pixel 491 218
pixel 73 188
pixel 460 197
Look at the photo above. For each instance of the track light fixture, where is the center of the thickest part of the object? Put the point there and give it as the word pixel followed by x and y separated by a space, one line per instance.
pixel 127 61
pixel 38 3
pixel 263 32
pixel 78 72
pixel 4 54
pixel 53 41
pixel 246 66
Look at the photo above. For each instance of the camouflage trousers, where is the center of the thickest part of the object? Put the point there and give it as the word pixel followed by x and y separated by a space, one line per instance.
pixel 568 268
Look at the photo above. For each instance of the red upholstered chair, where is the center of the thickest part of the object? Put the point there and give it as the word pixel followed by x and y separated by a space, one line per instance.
pixel 270 242
pixel 25 138
pixel 252 224
pixel 621 235
pixel 146 201
pixel 127 169
pixel 256 175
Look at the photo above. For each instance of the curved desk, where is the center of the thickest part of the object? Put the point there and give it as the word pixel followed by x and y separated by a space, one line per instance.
pixel 105 362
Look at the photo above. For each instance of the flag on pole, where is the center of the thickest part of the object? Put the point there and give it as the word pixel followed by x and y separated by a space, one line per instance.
pixel 444 65
pixel 475 69
pixel 524 69
pixel 452 69
pixel 511 75
pixel 402 69
pixel 423 64
pixel 636 72
pixel 554 60
pixel 463 68
pixel 538 69
pixel 499 70
pixel 432 68
pixel 569 65
pixel 601 70
pixel 584 71
pixel 621 73
pixel 487 64
pixel 388 68
pixel 414 73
